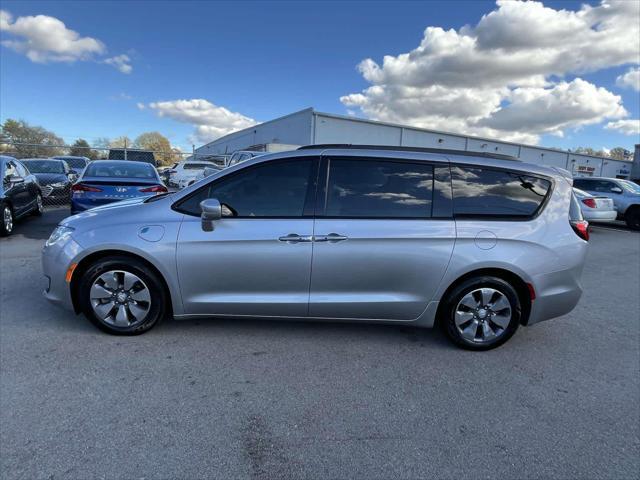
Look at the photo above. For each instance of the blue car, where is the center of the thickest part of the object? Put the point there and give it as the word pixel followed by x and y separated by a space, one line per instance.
pixel 108 181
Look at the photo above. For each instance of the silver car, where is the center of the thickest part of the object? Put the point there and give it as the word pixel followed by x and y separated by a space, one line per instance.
pixel 624 193
pixel 474 244
pixel 595 208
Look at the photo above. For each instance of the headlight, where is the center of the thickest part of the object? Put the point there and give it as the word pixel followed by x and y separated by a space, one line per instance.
pixel 59 185
pixel 60 234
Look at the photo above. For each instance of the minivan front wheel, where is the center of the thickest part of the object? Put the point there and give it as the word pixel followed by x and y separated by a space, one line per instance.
pixel 482 313
pixel 122 296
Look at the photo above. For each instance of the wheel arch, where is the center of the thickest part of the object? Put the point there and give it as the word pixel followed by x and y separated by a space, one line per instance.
pixel 515 280
pixel 90 259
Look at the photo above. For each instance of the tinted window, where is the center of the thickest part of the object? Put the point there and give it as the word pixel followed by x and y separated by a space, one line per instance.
pixel 45 166
pixel 22 171
pixel 372 188
pixel 120 170
pixel 583 184
pixel 76 162
pixel 486 192
pixel 267 190
pixel 9 171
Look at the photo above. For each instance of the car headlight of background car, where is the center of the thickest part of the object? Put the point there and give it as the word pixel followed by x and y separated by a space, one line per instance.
pixel 59 235
pixel 59 185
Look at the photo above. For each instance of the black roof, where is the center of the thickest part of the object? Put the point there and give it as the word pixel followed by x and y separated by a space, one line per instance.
pixel 443 151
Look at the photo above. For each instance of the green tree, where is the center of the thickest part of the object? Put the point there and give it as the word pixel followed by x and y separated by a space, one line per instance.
pixel 81 148
pixel 24 140
pixel 619 153
pixel 159 144
pixel 121 142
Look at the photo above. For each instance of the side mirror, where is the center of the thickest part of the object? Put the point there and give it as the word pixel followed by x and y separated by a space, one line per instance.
pixel 616 189
pixel 14 179
pixel 211 211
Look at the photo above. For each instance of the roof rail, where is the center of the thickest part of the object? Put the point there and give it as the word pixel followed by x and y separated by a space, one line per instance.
pixel 444 151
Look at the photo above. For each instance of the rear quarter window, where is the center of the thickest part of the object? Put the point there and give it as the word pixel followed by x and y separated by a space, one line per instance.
pixel 486 192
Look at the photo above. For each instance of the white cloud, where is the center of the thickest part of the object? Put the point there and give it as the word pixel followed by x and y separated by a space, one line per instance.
pixel 120 62
pixel 626 127
pixel 211 121
pixel 500 78
pixel 45 39
pixel 631 79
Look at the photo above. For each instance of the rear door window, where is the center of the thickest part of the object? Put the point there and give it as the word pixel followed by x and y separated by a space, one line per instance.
pixel 486 192
pixel 379 189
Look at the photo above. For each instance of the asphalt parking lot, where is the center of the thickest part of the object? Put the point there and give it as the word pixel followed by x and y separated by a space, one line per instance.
pixel 270 400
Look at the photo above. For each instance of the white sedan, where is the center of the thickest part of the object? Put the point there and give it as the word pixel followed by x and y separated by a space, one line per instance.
pixel 595 209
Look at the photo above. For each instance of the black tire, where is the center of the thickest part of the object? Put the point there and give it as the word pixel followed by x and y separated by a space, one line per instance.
pixel 6 230
pixel 632 217
pixel 158 304
pixel 459 292
pixel 39 206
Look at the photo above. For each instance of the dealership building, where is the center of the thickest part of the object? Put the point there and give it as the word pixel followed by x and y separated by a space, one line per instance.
pixel 311 127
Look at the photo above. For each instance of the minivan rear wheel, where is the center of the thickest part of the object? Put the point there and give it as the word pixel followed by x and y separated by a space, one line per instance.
pixel 122 296
pixel 481 313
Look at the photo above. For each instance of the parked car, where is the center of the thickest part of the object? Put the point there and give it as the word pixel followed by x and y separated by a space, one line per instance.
pixel 624 193
pixel 241 156
pixel 55 178
pixel 108 181
pixel 184 173
pixel 77 164
pixel 595 208
pixel 321 233
pixel 208 171
pixel 20 193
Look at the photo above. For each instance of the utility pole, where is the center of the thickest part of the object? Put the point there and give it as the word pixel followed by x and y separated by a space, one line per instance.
pixel 125 148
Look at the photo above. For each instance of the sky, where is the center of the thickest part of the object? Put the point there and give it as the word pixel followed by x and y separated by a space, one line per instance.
pixel 558 74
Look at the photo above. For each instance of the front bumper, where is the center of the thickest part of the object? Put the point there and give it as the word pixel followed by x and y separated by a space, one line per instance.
pixel 56 260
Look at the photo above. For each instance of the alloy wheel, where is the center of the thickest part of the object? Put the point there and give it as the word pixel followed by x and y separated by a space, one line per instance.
pixel 7 218
pixel 120 298
pixel 40 204
pixel 483 315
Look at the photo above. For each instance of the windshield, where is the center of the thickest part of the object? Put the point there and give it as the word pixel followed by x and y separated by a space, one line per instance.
pixel 75 162
pixel 120 170
pixel 44 166
pixel 629 186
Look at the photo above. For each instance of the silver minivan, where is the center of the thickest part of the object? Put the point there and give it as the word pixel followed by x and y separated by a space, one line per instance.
pixel 475 244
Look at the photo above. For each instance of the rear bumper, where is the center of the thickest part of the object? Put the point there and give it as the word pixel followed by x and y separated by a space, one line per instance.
pixel 599 215
pixel 557 294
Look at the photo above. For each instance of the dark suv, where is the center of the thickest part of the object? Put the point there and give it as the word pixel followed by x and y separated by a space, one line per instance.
pixel 20 193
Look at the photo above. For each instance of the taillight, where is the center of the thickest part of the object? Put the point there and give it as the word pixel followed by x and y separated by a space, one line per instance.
pixel 589 202
pixel 581 227
pixel 80 187
pixel 154 189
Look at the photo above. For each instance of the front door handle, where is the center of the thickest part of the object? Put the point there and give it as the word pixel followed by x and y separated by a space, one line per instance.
pixel 331 238
pixel 295 238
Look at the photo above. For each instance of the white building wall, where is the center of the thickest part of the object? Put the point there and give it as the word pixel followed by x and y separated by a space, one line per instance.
pixel 339 130
pixel 310 127
pixel 418 138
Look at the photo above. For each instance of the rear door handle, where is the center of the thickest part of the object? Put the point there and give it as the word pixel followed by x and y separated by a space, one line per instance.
pixel 295 238
pixel 331 238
